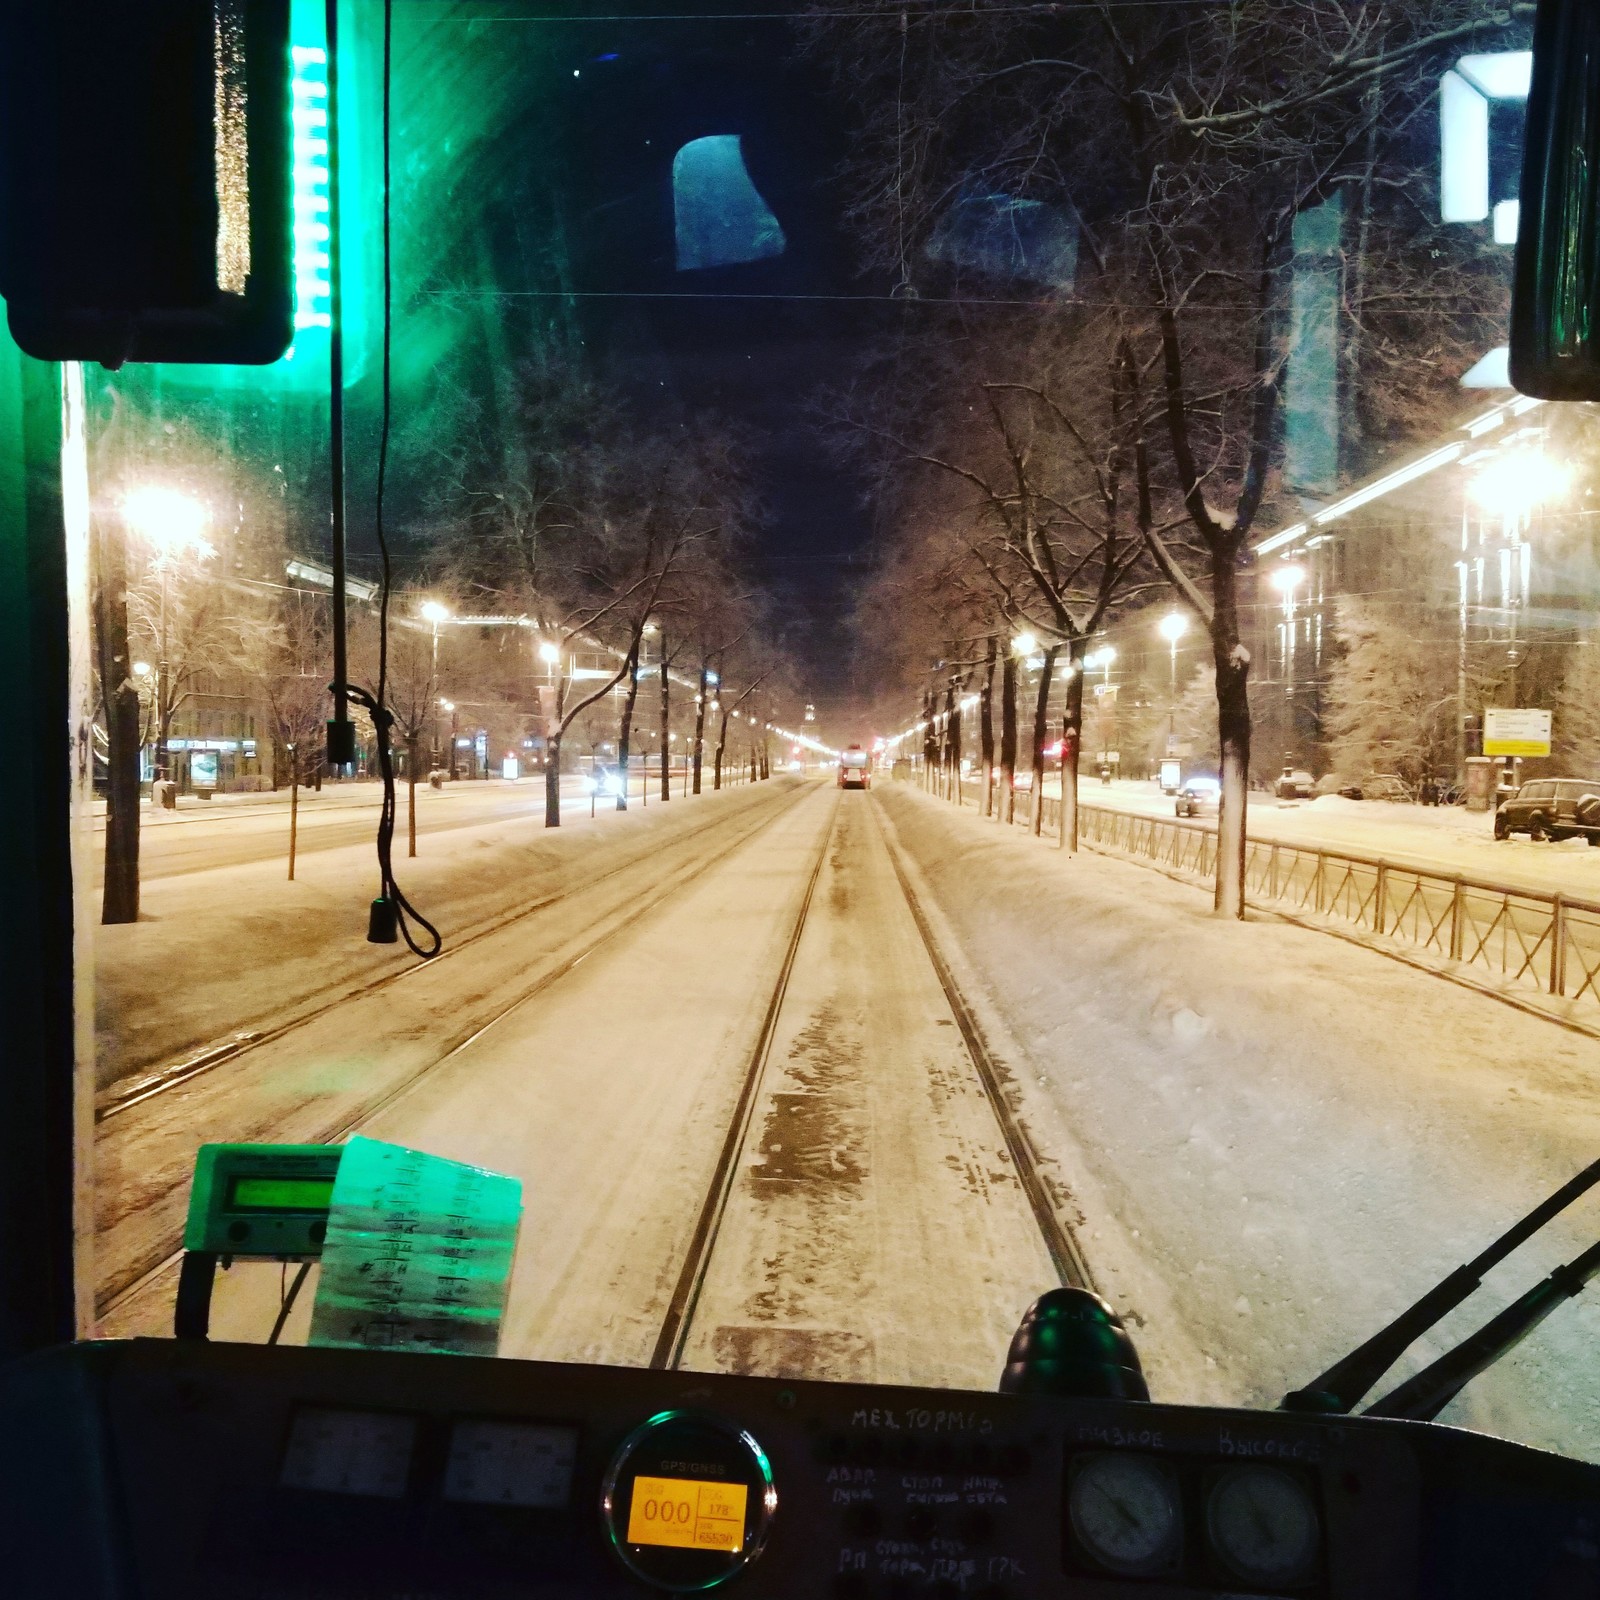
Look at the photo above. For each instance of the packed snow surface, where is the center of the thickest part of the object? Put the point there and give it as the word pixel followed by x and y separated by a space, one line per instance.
pixel 1292 1136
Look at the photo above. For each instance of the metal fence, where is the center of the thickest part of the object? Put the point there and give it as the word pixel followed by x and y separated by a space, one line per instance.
pixel 1524 937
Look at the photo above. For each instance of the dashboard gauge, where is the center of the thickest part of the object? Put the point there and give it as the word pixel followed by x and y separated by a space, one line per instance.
pixel 1126 1513
pixel 688 1501
pixel 1263 1525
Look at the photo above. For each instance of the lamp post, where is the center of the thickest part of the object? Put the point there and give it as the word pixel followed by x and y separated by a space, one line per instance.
pixel 1172 628
pixel 450 706
pixel 172 524
pixel 433 613
pixel 1286 580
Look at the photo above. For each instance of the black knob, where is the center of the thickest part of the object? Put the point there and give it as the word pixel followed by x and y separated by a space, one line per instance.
pixel 1070 1342
pixel 863 1521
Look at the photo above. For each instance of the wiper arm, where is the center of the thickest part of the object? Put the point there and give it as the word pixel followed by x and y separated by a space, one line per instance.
pixel 1348 1379
pixel 1423 1397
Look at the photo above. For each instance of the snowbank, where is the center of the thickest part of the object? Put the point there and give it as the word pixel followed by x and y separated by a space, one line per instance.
pixel 1296 1136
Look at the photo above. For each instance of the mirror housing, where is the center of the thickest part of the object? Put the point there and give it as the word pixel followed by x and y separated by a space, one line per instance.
pixel 1555 310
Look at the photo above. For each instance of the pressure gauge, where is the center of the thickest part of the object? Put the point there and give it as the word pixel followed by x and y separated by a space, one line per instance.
pixel 688 1501
pixel 1263 1525
pixel 1126 1513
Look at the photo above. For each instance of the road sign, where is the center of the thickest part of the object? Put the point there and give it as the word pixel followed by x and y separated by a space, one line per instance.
pixel 1515 732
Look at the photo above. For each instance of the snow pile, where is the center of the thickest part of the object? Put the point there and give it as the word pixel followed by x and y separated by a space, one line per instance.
pixel 1294 1136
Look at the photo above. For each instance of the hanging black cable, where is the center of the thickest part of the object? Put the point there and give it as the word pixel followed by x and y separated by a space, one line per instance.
pixel 391 914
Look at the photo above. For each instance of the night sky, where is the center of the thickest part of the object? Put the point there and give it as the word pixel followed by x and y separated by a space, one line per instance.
pixel 615 101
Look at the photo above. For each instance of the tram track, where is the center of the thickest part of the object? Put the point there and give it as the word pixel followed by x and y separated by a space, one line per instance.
pixel 123 1097
pixel 150 1268
pixel 1066 1256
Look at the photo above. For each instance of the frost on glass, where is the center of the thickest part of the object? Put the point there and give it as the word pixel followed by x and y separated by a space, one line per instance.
pixel 719 217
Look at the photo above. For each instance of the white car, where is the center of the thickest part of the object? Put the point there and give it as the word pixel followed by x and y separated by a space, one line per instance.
pixel 1199 797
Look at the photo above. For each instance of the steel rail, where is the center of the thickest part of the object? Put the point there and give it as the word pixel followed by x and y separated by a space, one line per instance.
pixel 148 1271
pixel 146 1087
pixel 674 1331
pixel 1065 1253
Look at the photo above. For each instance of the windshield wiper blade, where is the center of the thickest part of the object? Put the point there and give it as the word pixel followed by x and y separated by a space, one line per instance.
pixel 1348 1379
pixel 1423 1397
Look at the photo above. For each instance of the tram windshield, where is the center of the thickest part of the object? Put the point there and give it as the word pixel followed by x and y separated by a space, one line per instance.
pixel 1089 420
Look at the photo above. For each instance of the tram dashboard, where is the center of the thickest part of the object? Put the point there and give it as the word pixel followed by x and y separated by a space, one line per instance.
pixel 154 1470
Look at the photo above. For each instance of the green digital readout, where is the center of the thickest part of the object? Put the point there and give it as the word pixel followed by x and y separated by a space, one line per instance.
pixel 280 1194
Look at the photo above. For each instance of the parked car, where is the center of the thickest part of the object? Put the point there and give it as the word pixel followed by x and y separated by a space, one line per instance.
pixel 1199 797
pixel 1294 783
pixel 1379 786
pixel 1022 779
pixel 1552 808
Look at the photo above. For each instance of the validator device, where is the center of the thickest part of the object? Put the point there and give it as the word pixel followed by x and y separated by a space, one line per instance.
pixel 262 1200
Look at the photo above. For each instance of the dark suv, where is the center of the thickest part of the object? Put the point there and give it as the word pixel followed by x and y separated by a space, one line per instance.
pixel 1552 808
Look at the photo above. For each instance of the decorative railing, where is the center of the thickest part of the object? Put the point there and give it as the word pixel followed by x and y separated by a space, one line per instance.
pixel 1524 937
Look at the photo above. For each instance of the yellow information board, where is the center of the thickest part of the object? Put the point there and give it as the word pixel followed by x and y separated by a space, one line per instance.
pixel 1516 731
pixel 688 1513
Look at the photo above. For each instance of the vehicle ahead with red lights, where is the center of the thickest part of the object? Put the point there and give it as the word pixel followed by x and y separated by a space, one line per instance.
pixel 855 769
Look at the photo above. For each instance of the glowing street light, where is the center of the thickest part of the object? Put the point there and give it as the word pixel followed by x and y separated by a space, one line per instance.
pixel 1173 626
pixel 1025 644
pixel 549 653
pixel 141 669
pixel 1286 579
pixel 173 524
pixel 170 522
pixel 435 613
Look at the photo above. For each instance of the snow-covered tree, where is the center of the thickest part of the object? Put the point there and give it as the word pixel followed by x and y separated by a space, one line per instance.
pixel 1576 724
pixel 1391 696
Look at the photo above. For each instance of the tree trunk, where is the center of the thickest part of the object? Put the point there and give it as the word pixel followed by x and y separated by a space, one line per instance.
pixel 666 723
pixel 1008 737
pixel 1233 728
pixel 294 813
pixel 955 743
pixel 120 897
pixel 986 729
pixel 411 793
pixel 1071 745
pixel 716 760
pixel 1041 725
pixel 552 779
pixel 700 725
pixel 625 730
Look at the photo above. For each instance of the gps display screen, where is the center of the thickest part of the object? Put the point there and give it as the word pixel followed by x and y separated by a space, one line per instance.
pixel 688 1513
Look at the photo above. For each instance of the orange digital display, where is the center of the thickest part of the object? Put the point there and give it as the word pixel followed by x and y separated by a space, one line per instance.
pixel 688 1513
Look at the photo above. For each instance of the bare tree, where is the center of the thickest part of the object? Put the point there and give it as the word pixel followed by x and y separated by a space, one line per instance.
pixel 1178 145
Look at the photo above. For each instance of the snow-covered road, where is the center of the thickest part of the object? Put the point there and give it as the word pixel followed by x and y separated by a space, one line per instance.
pixel 1270 1141
pixel 874 1227
pixel 1279 1139
pixel 239 830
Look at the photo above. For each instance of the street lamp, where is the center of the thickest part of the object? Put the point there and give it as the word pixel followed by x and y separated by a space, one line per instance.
pixel 549 653
pixel 1172 628
pixel 1024 645
pixel 172 524
pixel 450 706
